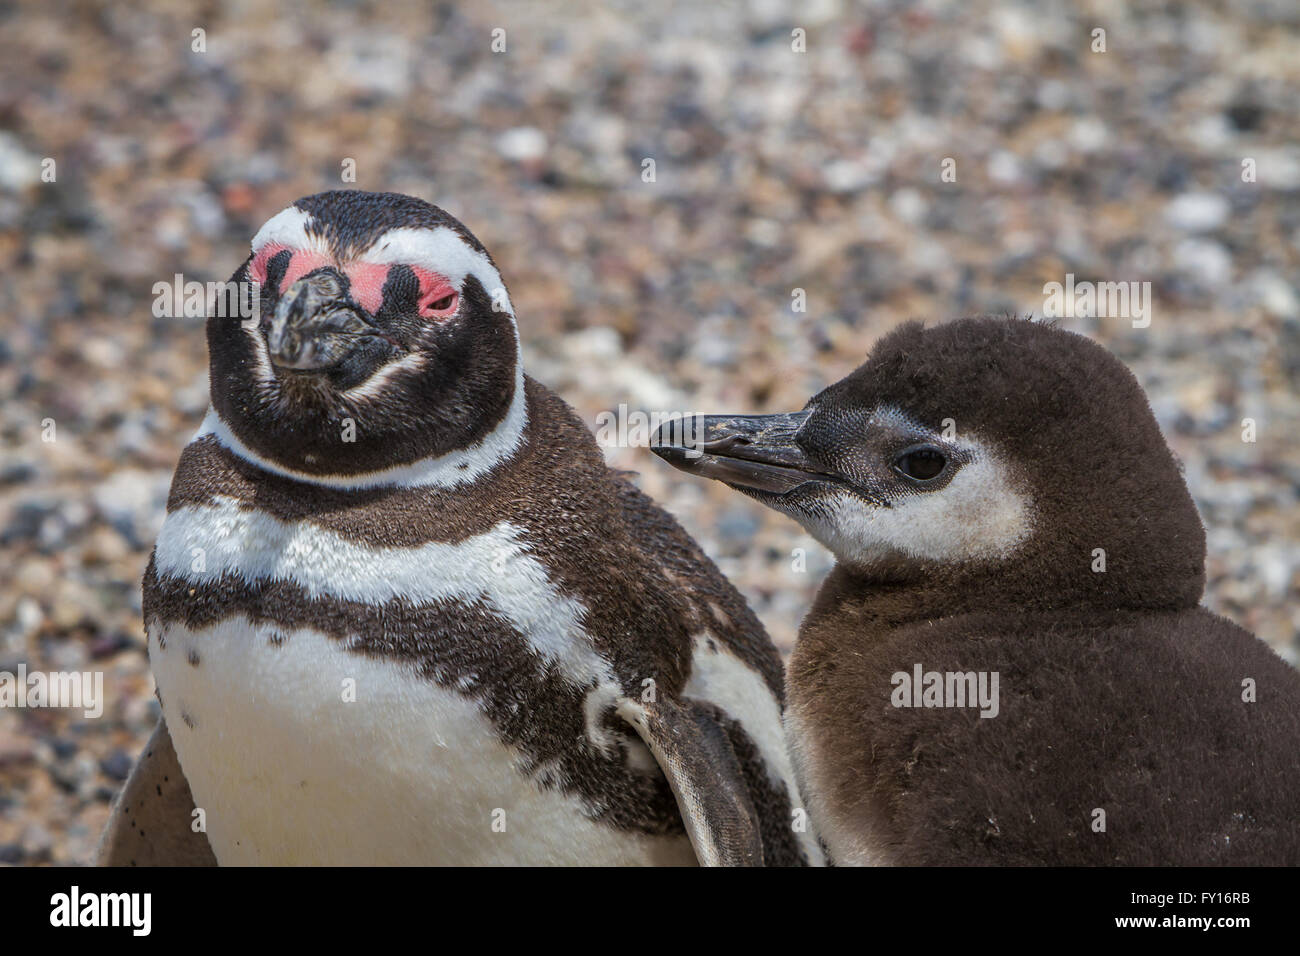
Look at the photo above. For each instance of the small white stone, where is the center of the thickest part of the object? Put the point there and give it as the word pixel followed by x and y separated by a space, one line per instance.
pixel 846 176
pixel 1088 135
pixel 1275 294
pixel 1204 259
pixel 1276 168
pixel 1197 212
pixel 909 206
pixel 522 143
pixel 19 168
pixel 1004 167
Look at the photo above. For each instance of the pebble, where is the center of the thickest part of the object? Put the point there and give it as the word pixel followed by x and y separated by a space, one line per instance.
pixel 1204 261
pixel 38 843
pixel 1275 294
pixel 117 765
pixel 19 167
pixel 15 750
pixel 522 143
pixel 1197 212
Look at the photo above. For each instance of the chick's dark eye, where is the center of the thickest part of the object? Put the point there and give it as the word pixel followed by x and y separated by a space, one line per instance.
pixel 921 464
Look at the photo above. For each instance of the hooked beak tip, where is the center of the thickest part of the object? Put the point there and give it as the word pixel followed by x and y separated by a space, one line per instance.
pixel 315 325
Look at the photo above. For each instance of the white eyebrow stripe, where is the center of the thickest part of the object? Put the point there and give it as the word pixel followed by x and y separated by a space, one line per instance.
pixel 289 228
pixel 441 250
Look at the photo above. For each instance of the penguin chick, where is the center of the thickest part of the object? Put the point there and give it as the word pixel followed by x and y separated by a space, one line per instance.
pixel 1008 663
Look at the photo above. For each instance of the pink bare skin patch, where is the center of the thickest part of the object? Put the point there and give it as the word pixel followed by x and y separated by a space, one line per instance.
pixel 257 268
pixel 367 283
pixel 438 297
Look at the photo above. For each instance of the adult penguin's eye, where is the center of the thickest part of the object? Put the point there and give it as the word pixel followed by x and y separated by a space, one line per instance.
pixel 443 305
pixel 921 464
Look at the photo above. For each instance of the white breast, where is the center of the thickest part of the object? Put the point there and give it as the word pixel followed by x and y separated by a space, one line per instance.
pixel 301 751
pixel 288 772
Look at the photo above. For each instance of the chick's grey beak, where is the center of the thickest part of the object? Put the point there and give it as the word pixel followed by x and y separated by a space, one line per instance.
pixel 748 451
pixel 315 326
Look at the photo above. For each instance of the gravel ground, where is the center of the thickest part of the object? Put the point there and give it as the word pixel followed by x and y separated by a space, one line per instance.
pixel 775 170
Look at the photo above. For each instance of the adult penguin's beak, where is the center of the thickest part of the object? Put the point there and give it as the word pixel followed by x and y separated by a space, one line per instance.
pixel 316 325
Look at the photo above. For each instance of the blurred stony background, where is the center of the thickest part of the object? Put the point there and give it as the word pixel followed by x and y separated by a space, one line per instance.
pixel 774 170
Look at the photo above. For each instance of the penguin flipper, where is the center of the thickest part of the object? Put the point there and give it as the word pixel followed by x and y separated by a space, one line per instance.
pixel 151 820
pixel 696 756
